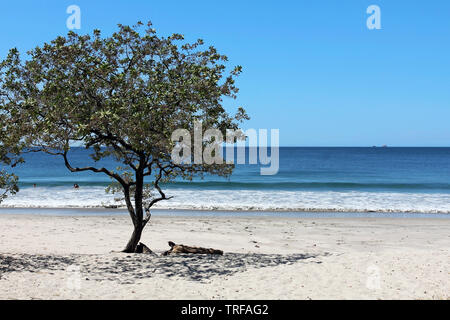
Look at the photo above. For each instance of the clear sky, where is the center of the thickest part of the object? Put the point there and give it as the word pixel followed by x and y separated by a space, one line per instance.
pixel 311 68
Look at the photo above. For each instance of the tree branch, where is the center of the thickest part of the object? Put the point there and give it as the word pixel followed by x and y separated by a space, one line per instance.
pixel 93 169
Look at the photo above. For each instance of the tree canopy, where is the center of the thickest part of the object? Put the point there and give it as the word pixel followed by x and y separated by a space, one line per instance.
pixel 121 96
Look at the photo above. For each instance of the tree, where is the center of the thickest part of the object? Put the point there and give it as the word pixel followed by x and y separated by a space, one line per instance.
pixel 120 96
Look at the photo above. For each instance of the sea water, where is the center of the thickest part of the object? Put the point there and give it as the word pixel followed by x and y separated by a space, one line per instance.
pixel 402 180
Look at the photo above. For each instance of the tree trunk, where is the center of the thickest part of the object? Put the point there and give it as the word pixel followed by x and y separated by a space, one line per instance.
pixel 137 214
pixel 134 240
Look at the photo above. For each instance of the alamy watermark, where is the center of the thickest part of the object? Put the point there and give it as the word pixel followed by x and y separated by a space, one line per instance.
pixel 374 20
pixel 373 280
pixel 212 152
pixel 208 147
pixel 73 277
pixel 74 20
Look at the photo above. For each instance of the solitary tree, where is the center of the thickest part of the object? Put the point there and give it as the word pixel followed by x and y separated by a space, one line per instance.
pixel 121 97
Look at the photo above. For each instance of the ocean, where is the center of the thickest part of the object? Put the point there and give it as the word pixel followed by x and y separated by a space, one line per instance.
pixel 310 179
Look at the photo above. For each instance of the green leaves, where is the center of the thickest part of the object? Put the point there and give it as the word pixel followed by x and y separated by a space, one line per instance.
pixel 8 184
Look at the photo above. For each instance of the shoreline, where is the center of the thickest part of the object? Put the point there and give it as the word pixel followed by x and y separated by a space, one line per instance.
pixel 67 211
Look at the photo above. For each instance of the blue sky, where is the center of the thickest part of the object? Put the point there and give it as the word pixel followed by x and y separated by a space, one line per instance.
pixel 311 68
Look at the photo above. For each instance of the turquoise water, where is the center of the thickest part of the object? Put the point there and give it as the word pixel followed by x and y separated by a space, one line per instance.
pixel 309 179
pixel 404 169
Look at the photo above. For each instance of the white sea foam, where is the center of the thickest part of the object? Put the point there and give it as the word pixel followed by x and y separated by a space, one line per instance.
pixel 243 200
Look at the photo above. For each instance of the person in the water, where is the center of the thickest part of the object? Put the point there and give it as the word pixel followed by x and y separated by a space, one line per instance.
pixel 76 186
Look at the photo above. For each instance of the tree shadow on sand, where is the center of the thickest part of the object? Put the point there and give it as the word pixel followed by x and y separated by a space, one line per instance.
pixel 129 268
pixel 33 263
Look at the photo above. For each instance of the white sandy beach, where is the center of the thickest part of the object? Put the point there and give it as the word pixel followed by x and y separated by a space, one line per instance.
pixel 63 257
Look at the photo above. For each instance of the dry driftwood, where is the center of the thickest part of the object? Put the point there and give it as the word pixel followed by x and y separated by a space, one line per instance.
pixel 179 248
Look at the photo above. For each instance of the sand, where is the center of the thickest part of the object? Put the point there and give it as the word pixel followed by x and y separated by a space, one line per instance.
pixel 64 257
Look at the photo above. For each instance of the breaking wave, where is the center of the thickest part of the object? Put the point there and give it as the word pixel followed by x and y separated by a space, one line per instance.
pixel 242 200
